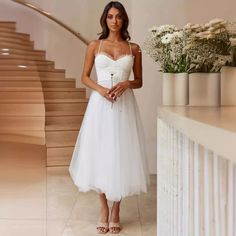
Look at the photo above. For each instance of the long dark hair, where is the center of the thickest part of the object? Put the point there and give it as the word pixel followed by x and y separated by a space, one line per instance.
pixel 105 30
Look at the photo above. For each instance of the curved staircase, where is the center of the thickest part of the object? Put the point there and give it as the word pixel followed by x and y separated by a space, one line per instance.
pixel 37 103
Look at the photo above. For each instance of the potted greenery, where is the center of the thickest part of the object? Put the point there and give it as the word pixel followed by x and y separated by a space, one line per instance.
pixel 166 46
pixel 208 48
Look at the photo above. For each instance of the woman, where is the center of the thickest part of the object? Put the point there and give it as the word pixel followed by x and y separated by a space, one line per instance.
pixel 109 155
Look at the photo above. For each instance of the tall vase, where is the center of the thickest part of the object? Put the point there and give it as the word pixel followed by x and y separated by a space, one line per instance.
pixel 228 86
pixel 204 89
pixel 175 89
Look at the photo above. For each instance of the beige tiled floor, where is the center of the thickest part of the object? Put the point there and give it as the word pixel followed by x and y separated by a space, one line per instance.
pixel 22 190
pixel 40 201
pixel 73 213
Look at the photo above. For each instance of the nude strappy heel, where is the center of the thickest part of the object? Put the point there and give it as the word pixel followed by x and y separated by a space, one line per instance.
pixel 114 228
pixel 102 227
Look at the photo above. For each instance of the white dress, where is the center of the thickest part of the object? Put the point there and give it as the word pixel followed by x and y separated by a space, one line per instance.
pixel 110 154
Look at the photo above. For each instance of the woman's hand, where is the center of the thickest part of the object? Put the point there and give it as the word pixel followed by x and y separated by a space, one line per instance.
pixel 117 90
pixel 105 93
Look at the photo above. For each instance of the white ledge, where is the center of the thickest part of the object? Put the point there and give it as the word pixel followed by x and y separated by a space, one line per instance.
pixel 212 127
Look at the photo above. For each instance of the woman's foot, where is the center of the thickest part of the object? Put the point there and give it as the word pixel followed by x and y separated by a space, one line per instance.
pixel 114 225
pixel 102 228
pixel 102 225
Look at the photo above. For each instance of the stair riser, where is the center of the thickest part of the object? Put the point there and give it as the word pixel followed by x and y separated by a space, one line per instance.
pixel 20 84
pixel 30 96
pixel 58 84
pixel 66 107
pixel 7 29
pixel 13 62
pixel 32 73
pixel 29 67
pixel 59 95
pixel 16 35
pixel 64 123
pixel 59 156
pixel 61 138
pixel 8 24
pixel 16 46
pixel 13 79
pixel 21 123
pixel 14 51
pixel 22 110
pixel 20 56
pixel 29 137
pixel 15 40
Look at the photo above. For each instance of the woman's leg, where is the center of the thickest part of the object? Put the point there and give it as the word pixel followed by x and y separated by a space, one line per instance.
pixel 104 212
pixel 115 216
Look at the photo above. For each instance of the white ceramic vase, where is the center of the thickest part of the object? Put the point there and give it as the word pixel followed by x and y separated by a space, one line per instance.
pixel 228 86
pixel 204 89
pixel 175 89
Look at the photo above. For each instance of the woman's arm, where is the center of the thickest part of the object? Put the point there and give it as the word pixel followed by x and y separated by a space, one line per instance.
pixel 119 88
pixel 88 65
pixel 137 68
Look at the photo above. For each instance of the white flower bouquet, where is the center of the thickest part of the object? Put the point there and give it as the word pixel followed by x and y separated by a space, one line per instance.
pixel 194 48
pixel 166 45
pixel 208 46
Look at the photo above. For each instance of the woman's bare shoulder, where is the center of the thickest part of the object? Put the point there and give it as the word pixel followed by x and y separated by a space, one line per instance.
pixel 93 46
pixel 135 48
pixel 94 43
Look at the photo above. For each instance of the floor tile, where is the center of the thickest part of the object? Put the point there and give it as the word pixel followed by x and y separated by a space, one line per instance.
pixel 22 181
pixel 22 228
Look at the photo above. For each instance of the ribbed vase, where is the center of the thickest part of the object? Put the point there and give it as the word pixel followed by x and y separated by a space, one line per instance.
pixel 204 89
pixel 228 86
pixel 175 89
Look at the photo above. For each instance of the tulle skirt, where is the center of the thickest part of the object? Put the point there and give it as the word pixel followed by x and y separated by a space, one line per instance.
pixel 110 153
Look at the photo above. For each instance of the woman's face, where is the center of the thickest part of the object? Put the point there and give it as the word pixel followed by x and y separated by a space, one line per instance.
pixel 114 19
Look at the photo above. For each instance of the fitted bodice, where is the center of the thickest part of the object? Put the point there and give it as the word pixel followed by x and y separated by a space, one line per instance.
pixel 113 70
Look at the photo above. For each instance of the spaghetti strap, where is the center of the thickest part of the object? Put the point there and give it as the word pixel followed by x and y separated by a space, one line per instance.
pixel 130 49
pixel 99 46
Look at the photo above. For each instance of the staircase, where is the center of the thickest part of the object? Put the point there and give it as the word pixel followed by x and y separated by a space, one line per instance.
pixel 37 103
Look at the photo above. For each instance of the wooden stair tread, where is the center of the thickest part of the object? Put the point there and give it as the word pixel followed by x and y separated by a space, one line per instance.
pixel 15 43
pixel 64 113
pixel 69 127
pixel 57 79
pixel 30 68
pixel 66 100
pixel 8 22
pixel 53 74
pixel 19 78
pixel 21 51
pixel 12 33
pixel 63 123
pixel 7 29
pixel 20 56
pixel 7 61
pixel 4 44
pixel 21 101
pixel 59 156
pixel 21 89
pixel 61 138
pixel 13 40
pixel 14 36
pixel 63 89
